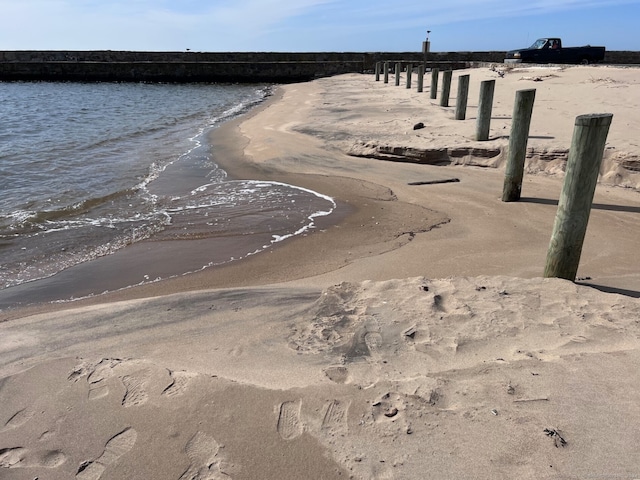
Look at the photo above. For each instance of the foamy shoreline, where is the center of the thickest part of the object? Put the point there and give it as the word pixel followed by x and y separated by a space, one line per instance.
pixel 195 218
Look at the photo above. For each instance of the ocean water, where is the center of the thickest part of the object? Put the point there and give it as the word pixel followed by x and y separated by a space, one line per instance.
pixel 89 169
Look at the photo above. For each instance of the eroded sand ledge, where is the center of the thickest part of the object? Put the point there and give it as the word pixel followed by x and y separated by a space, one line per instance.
pixel 414 339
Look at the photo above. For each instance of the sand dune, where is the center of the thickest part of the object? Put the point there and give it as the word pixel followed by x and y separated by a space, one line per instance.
pixel 415 378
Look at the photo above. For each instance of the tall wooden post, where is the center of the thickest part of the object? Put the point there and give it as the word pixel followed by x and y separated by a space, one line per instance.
pixel 585 156
pixel 409 72
pixel 461 99
pixel 446 88
pixel 434 82
pixel 398 68
pixel 520 123
pixel 420 78
pixel 377 71
pixel 386 72
pixel 485 105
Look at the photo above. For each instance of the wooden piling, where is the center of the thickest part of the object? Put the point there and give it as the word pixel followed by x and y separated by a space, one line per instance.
pixel 377 71
pixel 409 72
pixel 386 72
pixel 585 156
pixel 420 78
pixel 461 99
pixel 485 105
pixel 398 68
pixel 446 88
pixel 434 82
pixel 520 123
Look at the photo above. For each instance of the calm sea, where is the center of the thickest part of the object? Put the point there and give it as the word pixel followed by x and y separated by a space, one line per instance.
pixel 88 169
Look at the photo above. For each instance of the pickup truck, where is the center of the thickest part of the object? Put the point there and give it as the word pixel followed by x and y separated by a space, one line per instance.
pixel 550 50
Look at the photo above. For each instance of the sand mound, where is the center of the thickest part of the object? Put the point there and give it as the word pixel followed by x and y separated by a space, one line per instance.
pixel 480 377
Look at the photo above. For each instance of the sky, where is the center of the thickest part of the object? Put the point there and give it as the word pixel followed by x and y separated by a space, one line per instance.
pixel 314 25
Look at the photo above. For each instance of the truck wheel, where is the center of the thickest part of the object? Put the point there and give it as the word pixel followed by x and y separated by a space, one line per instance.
pixel 584 61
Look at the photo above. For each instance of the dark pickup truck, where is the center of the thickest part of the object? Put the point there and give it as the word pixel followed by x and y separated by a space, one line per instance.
pixel 550 50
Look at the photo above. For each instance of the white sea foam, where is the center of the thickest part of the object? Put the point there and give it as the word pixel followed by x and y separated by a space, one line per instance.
pixel 90 179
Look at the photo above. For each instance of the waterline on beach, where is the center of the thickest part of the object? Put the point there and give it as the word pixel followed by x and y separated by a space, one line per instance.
pixel 138 173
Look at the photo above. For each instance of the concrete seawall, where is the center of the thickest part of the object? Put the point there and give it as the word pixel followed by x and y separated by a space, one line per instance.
pixel 257 67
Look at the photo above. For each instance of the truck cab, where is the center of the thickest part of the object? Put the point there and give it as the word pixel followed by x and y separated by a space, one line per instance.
pixel 544 50
pixel 550 50
pixel 547 43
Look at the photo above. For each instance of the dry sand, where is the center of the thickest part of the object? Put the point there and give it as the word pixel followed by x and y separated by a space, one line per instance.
pixel 413 339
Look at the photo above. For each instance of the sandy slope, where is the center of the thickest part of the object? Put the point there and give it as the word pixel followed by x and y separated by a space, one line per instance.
pixel 416 378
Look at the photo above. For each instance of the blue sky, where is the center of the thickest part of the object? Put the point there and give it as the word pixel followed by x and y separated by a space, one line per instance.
pixel 314 25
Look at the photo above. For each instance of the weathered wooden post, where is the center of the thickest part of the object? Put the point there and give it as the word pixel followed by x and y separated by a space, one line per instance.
pixel 386 72
pixel 409 72
pixel 377 71
pixel 446 88
pixel 585 155
pixel 461 100
pixel 398 68
pixel 522 110
pixel 420 78
pixel 434 82
pixel 485 106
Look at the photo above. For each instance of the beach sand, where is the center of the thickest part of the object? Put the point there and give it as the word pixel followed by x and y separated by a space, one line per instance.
pixel 409 337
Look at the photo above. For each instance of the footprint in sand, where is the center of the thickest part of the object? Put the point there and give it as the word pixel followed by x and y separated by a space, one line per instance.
pixel 178 384
pixel 97 378
pixel 203 452
pixel 439 303
pixel 335 417
pixel 22 458
pixel 103 370
pixel 116 447
pixel 337 374
pixel 373 341
pixel 289 425
pixel 98 391
pixel 97 374
pixel 136 389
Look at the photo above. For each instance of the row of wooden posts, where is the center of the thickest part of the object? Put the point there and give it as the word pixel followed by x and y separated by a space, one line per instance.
pixel 485 103
pixel 583 165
